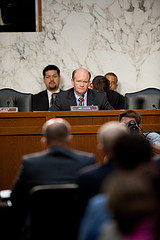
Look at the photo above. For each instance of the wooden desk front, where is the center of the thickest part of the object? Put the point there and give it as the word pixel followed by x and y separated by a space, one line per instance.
pixel 20 134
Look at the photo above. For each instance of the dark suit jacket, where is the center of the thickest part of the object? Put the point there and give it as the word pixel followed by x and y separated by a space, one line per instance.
pixel 115 99
pixel 90 179
pixel 64 100
pixel 40 101
pixel 55 166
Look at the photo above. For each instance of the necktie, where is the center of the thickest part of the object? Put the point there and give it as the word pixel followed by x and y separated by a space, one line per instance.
pixel 52 99
pixel 80 101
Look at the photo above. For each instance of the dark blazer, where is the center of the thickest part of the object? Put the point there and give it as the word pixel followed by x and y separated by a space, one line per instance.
pixel 115 99
pixel 90 178
pixel 64 100
pixel 55 166
pixel 40 101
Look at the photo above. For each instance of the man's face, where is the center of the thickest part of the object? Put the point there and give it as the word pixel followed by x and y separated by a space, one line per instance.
pixel 52 80
pixel 126 120
pixel 113 81
pixel 81 81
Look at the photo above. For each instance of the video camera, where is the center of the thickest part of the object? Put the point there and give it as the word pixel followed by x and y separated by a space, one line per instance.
pixel 133 126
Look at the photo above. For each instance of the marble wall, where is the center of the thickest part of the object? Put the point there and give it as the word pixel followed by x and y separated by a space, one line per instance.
pixel 122 36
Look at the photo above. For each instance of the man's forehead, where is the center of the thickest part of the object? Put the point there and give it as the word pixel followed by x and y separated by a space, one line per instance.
pixel 81 72
pixel 111 77
pixel 127 119
pixel 51 72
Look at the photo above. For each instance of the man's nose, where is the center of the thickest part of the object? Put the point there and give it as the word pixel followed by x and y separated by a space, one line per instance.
pixel 82 84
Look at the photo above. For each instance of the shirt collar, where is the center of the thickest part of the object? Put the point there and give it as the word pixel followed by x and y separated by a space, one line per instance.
pixel 50 93
pixel 84 98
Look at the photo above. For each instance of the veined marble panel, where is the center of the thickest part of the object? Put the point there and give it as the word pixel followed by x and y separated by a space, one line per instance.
pixel 120 36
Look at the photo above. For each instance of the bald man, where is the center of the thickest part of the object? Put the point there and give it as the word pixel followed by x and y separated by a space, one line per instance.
pixel 80 94
pixel 57 164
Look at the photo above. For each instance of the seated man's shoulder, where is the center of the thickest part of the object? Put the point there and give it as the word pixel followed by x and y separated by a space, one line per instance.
pixel 152 134
pixel 40 93
pixel 153 137
pixel 83 155
pixel 89 170
pixel 98 199
pixel 34 157
pixel 97 93
pixel 114 93
pixel 64 93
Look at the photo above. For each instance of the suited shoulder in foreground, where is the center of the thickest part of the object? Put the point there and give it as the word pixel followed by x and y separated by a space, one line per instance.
pixel 80 94
pixel 58 164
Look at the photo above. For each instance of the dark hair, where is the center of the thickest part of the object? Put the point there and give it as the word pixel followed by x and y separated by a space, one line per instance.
pixel 131 151
pixel 130 114
pixel 113 74
pixel 100 84
pixel 51 67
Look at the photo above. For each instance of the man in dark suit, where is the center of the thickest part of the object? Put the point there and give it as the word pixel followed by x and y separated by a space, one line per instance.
pixel 90 178
pixel 102 84
pixel 80 94
pixel 130 152
pixel 58 164
pixel 51 78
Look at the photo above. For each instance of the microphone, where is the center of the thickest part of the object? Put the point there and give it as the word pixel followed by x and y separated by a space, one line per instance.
pixel 8 103
pixel 154 106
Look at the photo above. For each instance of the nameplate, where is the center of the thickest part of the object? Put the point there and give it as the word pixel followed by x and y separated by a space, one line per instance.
pixel 8 109
pixel 84 108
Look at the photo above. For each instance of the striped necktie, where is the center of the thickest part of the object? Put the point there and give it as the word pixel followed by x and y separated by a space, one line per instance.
pixel 80 101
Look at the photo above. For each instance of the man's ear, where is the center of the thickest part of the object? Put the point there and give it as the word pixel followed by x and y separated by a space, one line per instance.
pixel 69 140
pixel 44 142
pixel 72 81
pixel 101 150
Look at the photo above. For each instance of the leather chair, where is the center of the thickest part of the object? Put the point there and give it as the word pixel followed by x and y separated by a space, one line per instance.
pixel 12 98
pixel 148 98
pixel 54 212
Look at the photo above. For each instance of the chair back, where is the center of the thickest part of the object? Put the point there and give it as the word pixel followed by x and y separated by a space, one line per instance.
pixel 54 212
pixel 12 98
pixel 148 98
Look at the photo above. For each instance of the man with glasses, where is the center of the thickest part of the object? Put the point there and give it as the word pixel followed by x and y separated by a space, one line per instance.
pixel 80 94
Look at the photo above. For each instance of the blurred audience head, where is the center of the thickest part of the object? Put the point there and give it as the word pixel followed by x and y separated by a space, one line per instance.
pixel 107 135
pixel 132 198
pixel 131 151
pixel 56 131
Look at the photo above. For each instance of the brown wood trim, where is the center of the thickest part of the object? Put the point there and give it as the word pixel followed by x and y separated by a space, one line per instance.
pixel 39 12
